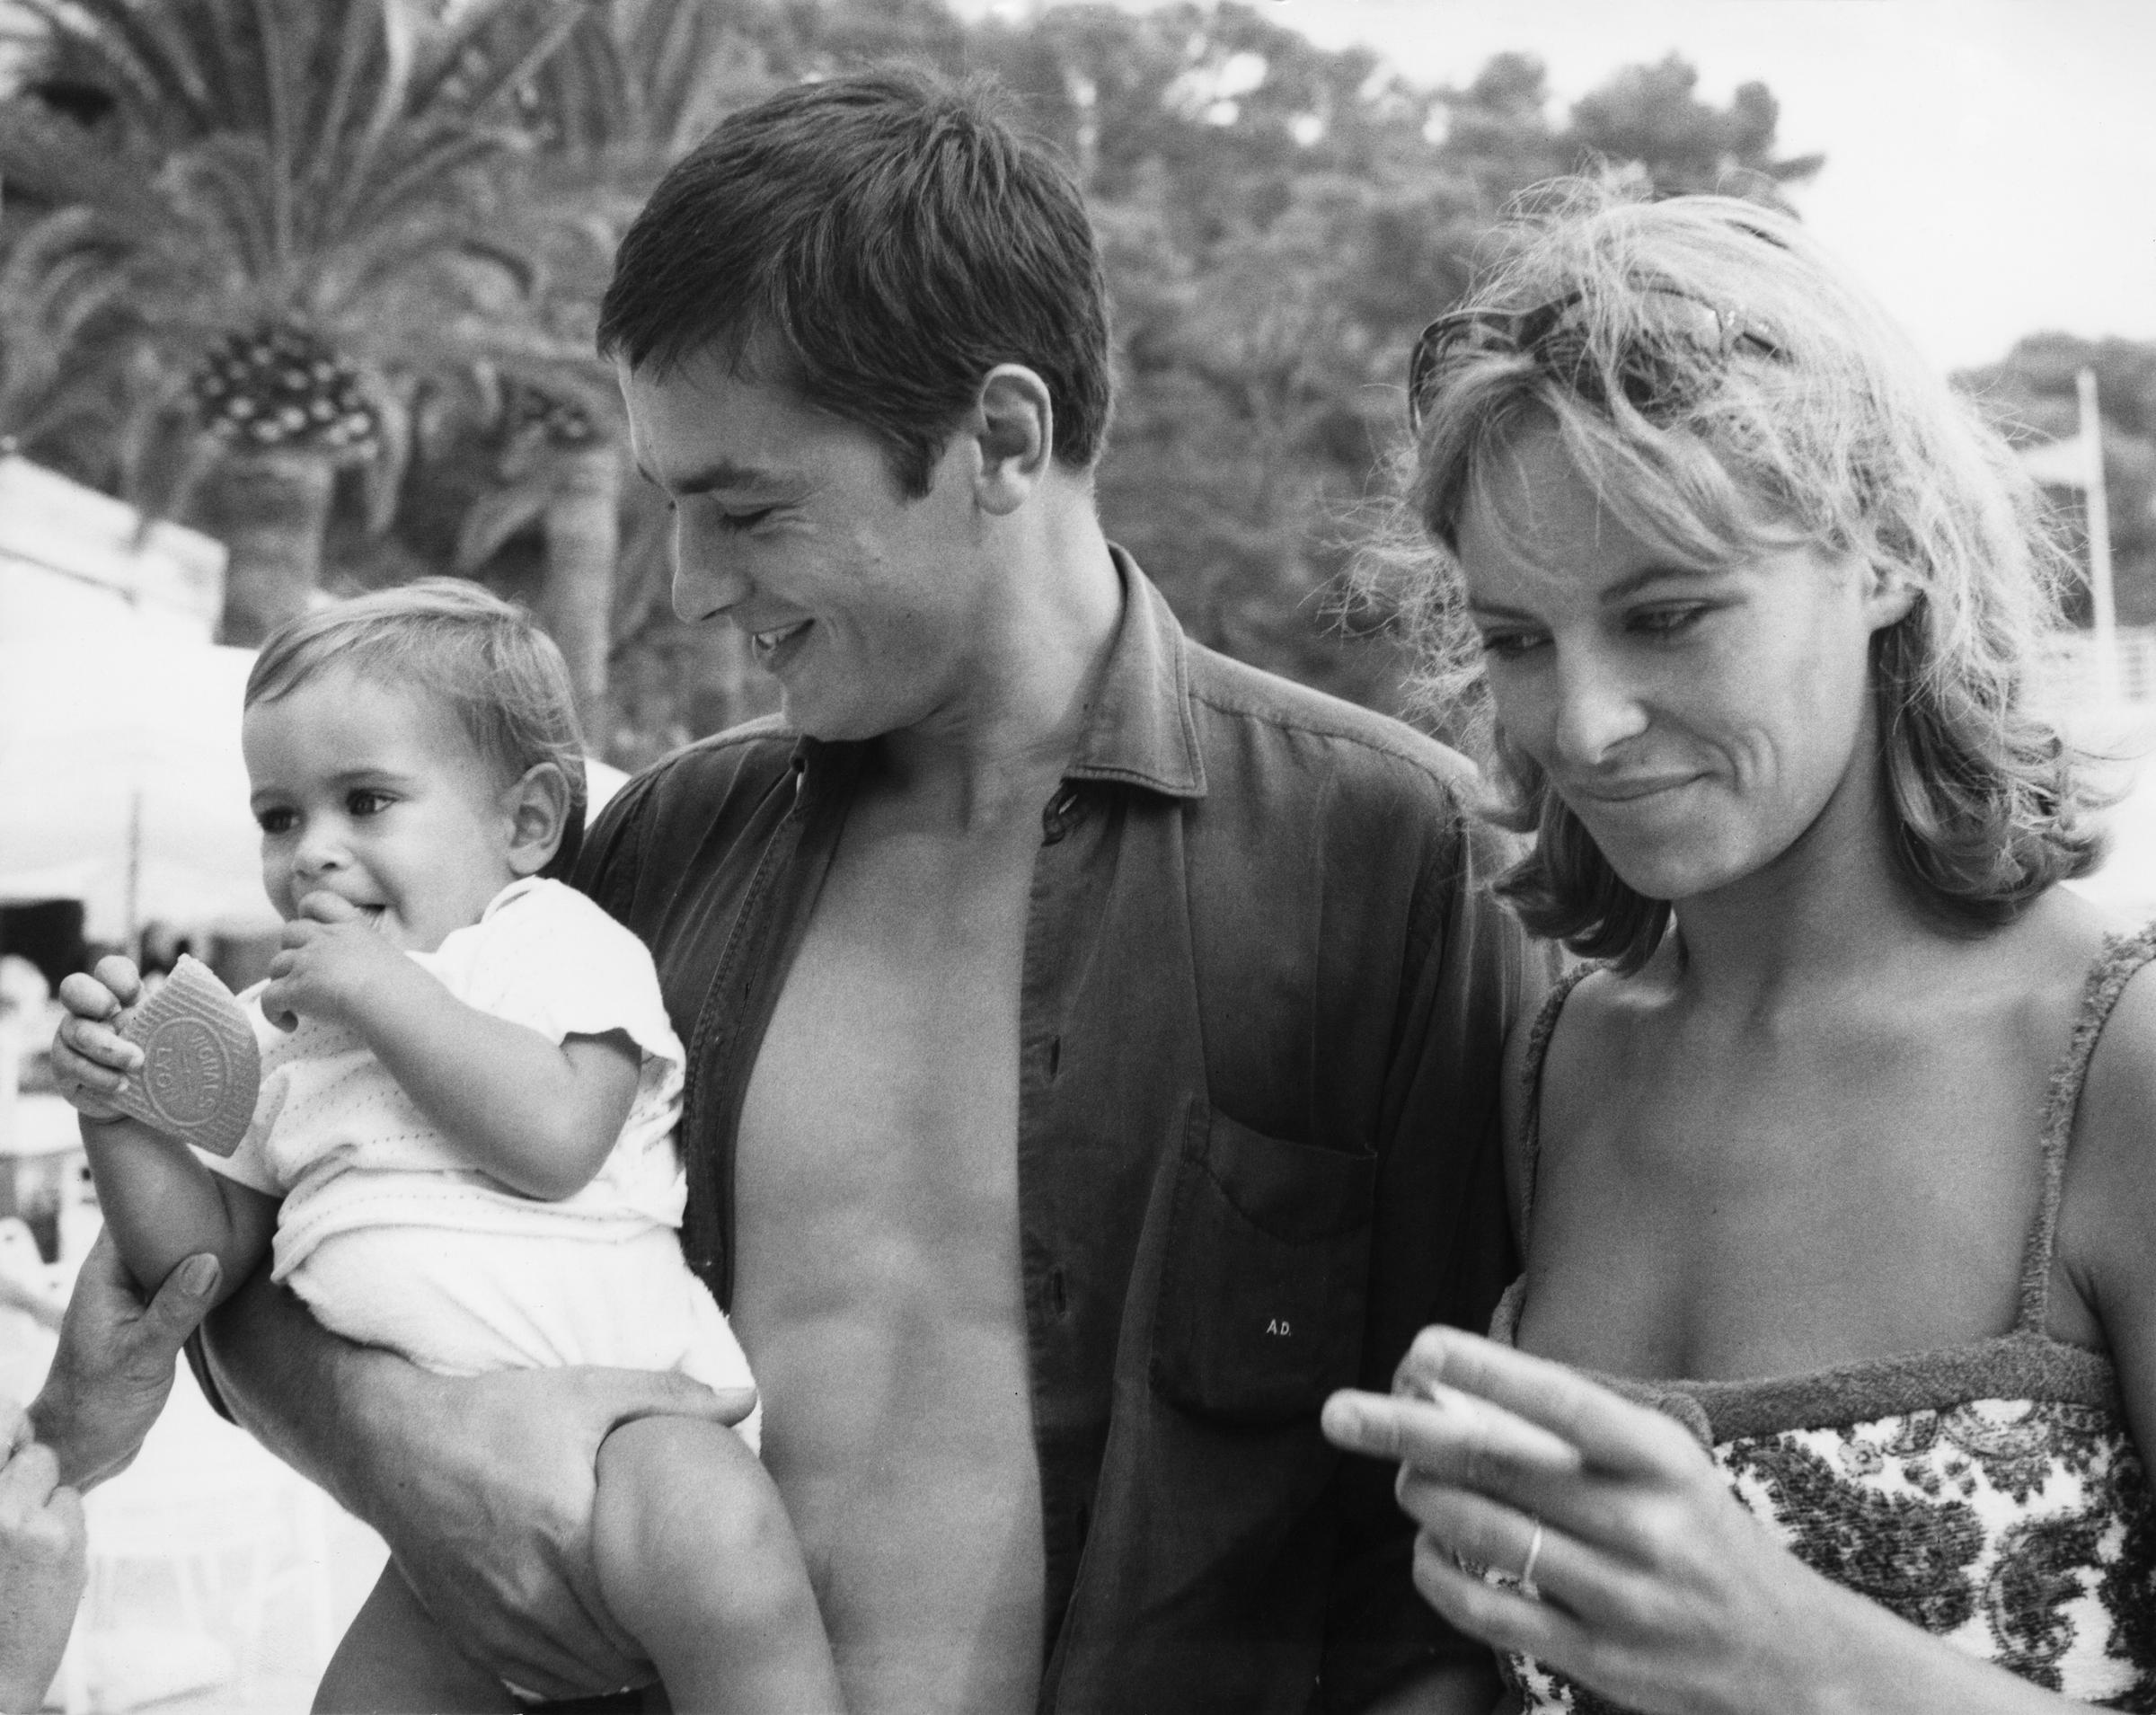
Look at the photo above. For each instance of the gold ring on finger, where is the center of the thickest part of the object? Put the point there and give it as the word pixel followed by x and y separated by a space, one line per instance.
pixel 1528 1586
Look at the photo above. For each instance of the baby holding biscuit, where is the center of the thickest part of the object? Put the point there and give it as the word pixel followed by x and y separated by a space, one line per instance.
pixel 461 1147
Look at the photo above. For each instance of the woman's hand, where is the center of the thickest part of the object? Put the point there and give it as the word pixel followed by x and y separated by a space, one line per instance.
pixel 1650 1583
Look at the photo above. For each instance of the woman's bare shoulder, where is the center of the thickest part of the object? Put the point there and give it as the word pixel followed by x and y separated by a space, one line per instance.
pixel 2108 1215
pixel 2117 1119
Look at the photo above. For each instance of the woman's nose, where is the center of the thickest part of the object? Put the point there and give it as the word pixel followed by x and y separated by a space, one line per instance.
pixel 1597 709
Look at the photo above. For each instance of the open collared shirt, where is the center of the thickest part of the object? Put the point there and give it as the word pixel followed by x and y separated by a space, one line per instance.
pixel 1264 1002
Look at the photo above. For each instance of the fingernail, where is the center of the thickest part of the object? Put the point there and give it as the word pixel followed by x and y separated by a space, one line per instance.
pixel 198 1274
pixel 1342 1418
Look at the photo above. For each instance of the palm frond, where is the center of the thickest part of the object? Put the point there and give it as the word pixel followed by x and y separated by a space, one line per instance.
pixel 281 95
pixel 127 53
pixel 494 518
pixel 352 62
pixel 218 190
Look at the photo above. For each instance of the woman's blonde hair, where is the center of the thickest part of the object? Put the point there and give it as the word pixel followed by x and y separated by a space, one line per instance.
pixel 1727 391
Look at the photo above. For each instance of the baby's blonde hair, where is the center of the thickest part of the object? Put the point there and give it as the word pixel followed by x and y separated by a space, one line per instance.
pixel 1813 419
pixel 481 657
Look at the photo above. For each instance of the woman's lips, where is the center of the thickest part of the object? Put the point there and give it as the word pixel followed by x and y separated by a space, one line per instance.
pixel 1629 789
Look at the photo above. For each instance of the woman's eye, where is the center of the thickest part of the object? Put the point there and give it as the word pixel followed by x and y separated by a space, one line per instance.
pixel 1508 646
pixel 1668 621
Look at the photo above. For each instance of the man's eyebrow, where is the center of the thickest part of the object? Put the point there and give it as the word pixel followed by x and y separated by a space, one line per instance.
pixel 723 474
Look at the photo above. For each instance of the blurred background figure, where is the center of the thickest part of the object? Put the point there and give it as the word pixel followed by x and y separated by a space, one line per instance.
pixel 162 946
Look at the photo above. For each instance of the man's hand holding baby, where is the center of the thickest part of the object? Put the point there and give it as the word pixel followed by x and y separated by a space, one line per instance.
pixel 335 964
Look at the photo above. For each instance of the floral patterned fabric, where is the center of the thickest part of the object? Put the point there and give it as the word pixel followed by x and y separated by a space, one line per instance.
pixel 2021 1531
pixel 1990 1494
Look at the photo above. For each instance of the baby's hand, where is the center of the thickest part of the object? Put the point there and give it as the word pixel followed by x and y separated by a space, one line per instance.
pixel 91 1061
pixel 333 967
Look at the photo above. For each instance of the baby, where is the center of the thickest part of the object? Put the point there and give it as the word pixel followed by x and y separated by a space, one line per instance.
pixel 463 1149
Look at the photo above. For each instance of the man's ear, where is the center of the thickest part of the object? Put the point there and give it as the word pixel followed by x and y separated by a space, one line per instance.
pixel 1014 428
pixel 537 807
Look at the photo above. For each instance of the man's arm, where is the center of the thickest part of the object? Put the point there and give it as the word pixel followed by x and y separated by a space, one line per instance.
pixel 481 1485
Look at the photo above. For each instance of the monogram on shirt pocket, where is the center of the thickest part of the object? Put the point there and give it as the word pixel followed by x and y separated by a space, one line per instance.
pixel 1262 1293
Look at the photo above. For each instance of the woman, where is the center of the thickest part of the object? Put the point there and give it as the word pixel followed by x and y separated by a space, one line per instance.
pixel 1844 1153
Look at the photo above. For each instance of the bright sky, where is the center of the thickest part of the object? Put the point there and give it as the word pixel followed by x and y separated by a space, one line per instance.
pixel 1991 164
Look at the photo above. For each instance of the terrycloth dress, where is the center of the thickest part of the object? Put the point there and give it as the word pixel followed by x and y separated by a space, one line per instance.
pixel 1990 1492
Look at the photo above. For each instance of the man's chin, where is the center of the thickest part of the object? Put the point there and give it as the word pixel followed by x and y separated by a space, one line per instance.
pixel 817 718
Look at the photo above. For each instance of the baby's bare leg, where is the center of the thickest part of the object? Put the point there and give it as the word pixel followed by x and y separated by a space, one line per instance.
pixel 394 1658
pixel 697 1559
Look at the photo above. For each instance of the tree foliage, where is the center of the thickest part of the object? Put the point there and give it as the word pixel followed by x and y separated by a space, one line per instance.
pixel 1278 220
pixel 255 221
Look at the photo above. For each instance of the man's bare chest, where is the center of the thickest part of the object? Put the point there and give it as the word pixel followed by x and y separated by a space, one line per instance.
pixel 877 1284
pixel 885 1085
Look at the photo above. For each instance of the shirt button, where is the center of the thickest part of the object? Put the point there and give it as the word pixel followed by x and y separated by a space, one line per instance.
pixel 1061 813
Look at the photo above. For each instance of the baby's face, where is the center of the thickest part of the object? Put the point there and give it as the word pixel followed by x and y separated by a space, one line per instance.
pixel 374 792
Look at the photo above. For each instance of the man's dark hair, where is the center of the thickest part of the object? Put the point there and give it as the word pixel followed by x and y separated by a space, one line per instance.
pixel 894 238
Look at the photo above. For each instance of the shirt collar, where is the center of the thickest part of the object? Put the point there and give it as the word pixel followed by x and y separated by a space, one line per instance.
pixel 1139 729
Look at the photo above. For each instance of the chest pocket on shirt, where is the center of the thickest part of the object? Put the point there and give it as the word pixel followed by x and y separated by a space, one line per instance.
pixel 1267 1274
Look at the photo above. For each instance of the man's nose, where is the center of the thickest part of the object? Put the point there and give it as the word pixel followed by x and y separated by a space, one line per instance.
pixel 708 578
pixel 1598 708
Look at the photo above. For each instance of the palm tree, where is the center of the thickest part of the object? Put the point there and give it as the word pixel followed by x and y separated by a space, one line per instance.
pixel 632 87
pixel 281 214
pixel 557 471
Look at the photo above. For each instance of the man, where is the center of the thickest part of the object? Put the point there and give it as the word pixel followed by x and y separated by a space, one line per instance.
pixel 1093 1043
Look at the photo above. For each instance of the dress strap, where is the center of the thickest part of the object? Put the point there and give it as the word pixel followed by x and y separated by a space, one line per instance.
pixel 1531 1080
pixel 2114 968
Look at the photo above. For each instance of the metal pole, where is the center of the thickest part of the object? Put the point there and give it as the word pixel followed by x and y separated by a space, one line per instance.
pixel 2104 608
pixel 134 896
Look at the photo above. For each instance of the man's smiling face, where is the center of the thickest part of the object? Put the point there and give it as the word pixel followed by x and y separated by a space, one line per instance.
pixel 789 524
pixel 374 792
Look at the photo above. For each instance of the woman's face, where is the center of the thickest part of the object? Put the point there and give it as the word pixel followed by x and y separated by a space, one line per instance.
pixel 1697 721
